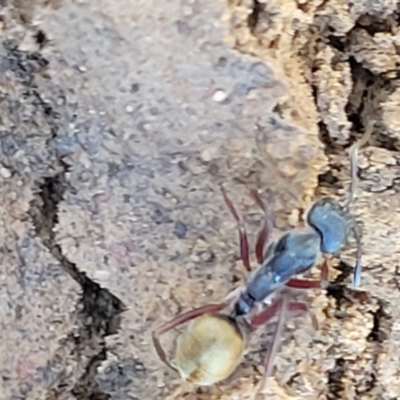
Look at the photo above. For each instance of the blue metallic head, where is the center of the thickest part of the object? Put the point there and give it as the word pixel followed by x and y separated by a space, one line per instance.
pixel 332 223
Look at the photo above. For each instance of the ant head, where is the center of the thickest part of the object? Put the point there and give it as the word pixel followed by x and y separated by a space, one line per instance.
pixel 332 222
pixel 209 349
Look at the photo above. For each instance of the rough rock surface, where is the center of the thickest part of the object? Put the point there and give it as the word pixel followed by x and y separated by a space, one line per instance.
pixel 118 125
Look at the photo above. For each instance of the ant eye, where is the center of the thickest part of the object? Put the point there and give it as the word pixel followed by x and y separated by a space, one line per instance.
pixel 281 245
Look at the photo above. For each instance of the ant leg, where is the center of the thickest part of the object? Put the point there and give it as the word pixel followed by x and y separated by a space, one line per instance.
pixel 266 314
pixel 179 320
pixel 244 243
pixel 303 307
pixel 324 277
pixel 262 239
pixel 303 284
pixel 263 235
pixel 322 283
pixel 353 162
pixel 357 269
pixel 273 350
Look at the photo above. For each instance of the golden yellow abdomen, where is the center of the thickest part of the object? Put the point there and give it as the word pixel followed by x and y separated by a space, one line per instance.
pixel 209 350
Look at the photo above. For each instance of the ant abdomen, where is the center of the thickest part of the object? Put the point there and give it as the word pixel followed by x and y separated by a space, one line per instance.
pixel 209 350
pixel 332 222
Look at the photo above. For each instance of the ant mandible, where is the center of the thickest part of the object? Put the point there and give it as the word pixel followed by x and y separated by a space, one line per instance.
pixel 213 344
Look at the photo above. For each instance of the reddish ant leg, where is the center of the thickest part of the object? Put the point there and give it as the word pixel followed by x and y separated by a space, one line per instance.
pixel 262 239
pixel 322 283
pixel 244 243
pixel 179 320
pixel 273 350
pixel 324 275
pixel 257 198
pixel 298 306
pixel 264 316
pixel 263 235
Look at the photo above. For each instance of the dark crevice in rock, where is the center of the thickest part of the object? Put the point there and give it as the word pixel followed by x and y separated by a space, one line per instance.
pixel 330 146
pixel 328 179
pixel 260 17
pixel 367 88
pixel 24 64
pixel 338 292
pixel 346 271
pixel 378 335
pixel 381 320
pixel 338 42
pixel 337 288
pixel 335 377
pixel 356 103
pixel 369 383
pixel 374 24
pixel 360 104
pixel 41 39
pixel 85 389
pixel 99 311
pixel 388 143
pixel 255 14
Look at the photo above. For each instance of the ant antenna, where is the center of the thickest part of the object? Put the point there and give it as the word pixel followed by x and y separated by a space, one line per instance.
pixel 357 268
pixel 353 162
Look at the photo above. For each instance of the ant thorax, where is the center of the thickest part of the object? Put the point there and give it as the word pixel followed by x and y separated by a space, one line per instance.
pixel 294 253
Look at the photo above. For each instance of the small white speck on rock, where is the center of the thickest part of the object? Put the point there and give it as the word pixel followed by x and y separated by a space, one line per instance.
pixel 219 96
pixel 101 275
pixel 208 154
pixel 5 173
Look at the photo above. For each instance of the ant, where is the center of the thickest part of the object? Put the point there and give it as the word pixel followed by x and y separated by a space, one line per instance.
pixel 213 344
